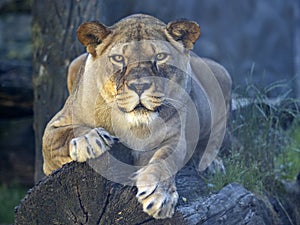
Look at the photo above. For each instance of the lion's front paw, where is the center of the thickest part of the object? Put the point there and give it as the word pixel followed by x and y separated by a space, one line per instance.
pixel 91 145
pixel 158 197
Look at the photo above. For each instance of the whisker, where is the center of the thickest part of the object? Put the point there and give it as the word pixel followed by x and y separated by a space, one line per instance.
pixel 175 103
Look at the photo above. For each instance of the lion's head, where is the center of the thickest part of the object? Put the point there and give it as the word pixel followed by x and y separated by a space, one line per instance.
pixel 142 58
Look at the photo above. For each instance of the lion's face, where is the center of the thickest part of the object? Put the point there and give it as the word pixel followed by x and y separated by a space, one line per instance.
pixel 146 62
pixel 144 73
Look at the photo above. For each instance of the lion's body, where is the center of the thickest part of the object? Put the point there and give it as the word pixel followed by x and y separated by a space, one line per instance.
pixel 116 90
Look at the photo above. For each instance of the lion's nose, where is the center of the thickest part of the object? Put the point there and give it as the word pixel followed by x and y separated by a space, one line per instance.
pixel 138 86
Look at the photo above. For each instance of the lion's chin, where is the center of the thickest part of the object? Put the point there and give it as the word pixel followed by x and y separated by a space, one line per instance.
pixel 140 116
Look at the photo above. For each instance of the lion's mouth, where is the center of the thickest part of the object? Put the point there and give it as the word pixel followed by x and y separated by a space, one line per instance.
pixel 141 108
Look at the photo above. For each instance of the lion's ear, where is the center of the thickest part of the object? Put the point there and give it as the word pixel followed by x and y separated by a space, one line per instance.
pixel 91 34
pixel 185 31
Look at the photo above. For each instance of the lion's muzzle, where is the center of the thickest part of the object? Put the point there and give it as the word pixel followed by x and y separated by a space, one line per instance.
pixel 140 94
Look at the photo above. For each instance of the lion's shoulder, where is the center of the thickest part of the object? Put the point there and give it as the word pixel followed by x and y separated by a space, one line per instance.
pixel 203 67
pixel 75 71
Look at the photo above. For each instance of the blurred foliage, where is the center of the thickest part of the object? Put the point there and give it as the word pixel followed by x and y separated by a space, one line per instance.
pixel 16 46
pixel 267 143
pixel 9 6
pixel 19 51
pixel 10 197
pixel 15 15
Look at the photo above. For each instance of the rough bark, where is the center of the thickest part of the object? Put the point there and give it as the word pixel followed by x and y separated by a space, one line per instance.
pixel 54 46
pixel 76 194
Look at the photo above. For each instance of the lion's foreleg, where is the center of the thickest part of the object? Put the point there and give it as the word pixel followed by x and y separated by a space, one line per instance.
pixel 64 142
pixel 156 183
pixel 56 141
pixel 55 152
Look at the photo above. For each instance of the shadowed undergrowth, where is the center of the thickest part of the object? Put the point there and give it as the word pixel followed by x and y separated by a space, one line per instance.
pixel 10 197
pixel 267 146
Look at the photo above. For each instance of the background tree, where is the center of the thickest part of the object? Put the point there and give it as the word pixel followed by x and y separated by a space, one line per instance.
pixel 54 45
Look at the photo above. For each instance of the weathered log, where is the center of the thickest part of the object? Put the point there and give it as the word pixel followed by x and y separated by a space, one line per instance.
pixel 76 194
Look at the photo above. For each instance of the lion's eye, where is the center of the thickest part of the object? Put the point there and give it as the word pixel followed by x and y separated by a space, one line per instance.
pixel 161 57
pixel 117 58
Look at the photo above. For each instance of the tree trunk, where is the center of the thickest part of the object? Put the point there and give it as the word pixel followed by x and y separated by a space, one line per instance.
pixel 77 194
pixel 54 45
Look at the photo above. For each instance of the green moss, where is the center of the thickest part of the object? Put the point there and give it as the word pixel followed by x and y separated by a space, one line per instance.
pixel 9 198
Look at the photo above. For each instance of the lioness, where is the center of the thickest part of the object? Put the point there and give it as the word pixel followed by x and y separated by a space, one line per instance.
pixel 140 83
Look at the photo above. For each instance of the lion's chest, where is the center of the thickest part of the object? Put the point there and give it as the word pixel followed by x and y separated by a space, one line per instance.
pixel 140 132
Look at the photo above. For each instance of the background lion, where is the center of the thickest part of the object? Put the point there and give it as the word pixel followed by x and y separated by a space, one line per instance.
pixel 140 84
